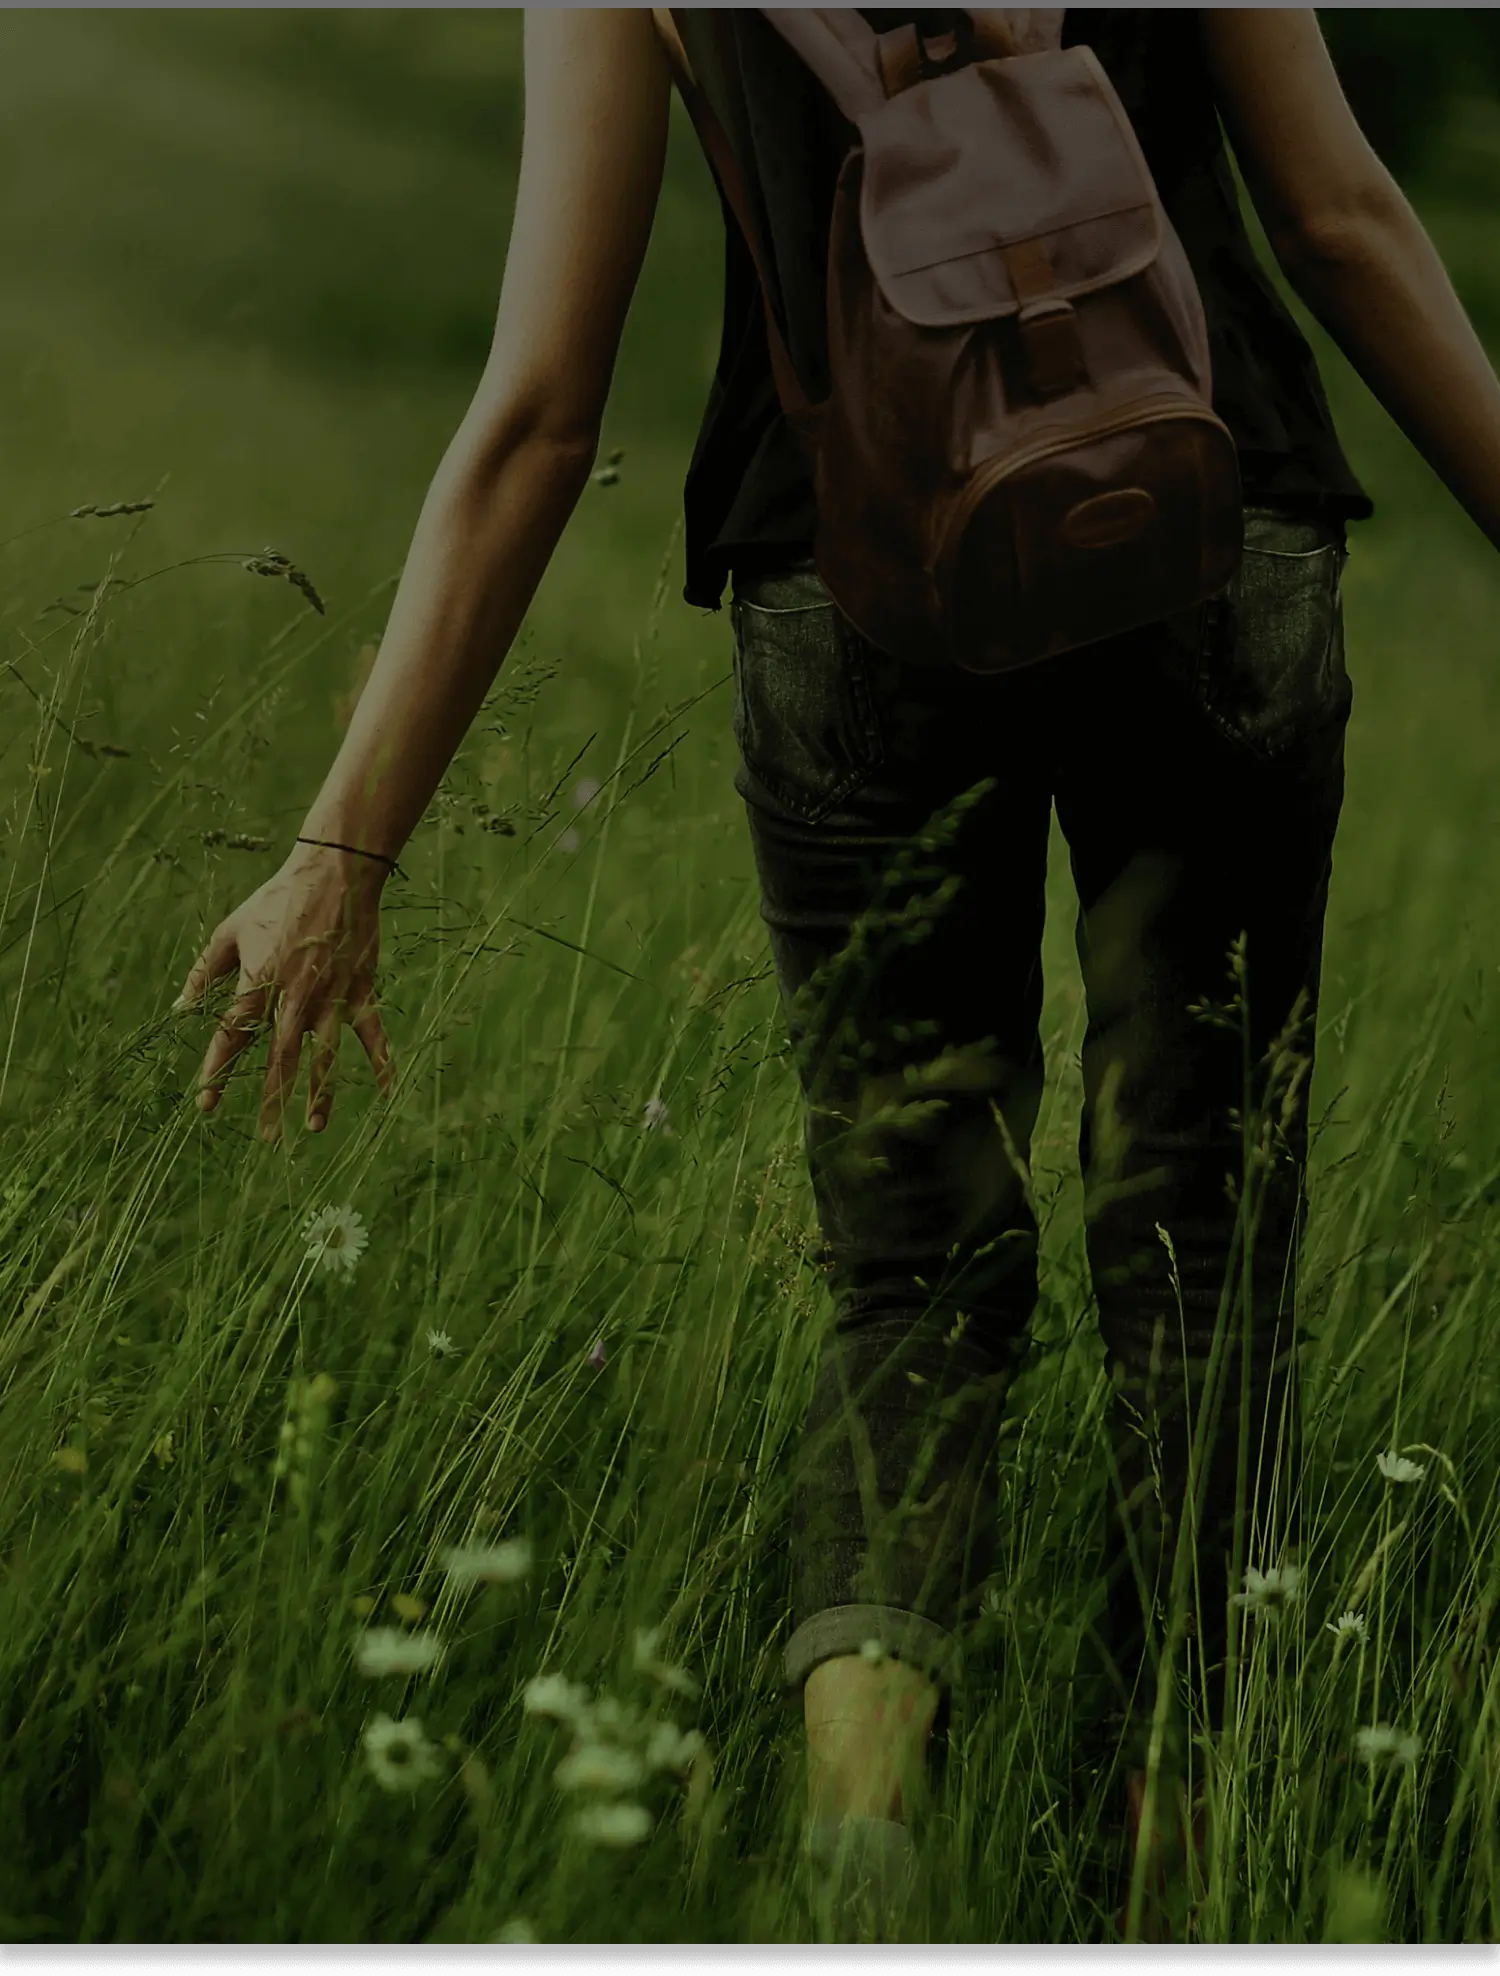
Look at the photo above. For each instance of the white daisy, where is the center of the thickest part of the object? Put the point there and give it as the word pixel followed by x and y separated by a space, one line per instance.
pixel 1382 1744
pixel 613 1824
pixel 1348 1626
pixel 569 840
pixel 555 1695
pixel 656 1114
pixel 399 1755
pixel 671 1748
pixel 336 1239
pixel 585 793
pixel 441 1345
pixel 487 1564
pixel 599 1767
pixel 1269 1591
pixel 519 1929
pixel 1396 1468
pixel 388 1650
pixel 660 1671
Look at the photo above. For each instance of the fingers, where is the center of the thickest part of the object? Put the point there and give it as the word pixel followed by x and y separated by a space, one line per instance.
pixel 290 1021
pixel 365 1021
pixel 282 1064
pixel 325 1053
pixel 234 1033
pixel 217 958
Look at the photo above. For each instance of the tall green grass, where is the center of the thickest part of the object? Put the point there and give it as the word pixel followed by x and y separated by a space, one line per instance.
pixel 221 1460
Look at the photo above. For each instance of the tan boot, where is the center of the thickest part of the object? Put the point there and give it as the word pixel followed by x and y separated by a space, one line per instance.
pixel 864 1878
pixel 867 1732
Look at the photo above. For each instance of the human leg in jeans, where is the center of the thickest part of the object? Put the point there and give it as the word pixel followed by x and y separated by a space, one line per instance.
pixel 1200 802
pixel 1198 769
pixel 1202 813
pixel 912 990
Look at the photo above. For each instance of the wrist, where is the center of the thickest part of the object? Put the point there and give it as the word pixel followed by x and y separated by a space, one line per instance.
pixel 353 858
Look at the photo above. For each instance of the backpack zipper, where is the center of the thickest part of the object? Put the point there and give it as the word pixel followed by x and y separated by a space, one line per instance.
pixel 1143 411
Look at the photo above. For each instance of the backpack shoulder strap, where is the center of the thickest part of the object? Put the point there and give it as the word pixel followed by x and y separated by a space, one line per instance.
pixel 861 67
pixel 720 152
pixel 839 48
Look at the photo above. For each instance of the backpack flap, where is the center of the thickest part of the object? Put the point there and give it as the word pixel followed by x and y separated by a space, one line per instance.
pixel 969 208
pixel 992 182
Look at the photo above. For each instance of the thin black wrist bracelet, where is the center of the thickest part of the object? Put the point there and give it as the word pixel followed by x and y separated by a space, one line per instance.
pixel 324 843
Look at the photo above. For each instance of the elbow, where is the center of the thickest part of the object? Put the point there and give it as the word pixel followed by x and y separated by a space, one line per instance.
pixel 1339 234
pixel 563 448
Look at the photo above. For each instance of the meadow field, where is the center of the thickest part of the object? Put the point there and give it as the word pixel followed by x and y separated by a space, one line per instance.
pixel 313 1458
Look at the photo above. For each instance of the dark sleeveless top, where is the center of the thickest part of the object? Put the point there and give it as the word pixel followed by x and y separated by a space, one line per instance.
pixel 748 496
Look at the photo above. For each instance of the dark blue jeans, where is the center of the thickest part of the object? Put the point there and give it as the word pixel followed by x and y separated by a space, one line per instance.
pixel 1197 770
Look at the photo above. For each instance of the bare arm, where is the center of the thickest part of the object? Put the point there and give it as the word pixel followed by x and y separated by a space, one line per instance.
pixel 486 532
pixel 597 99
pixel 1385 297
pixel 1352 247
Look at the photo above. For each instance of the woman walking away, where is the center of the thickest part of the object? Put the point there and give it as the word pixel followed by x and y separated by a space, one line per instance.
pixel 899 803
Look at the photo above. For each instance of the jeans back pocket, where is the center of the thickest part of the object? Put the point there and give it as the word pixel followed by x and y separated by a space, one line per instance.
pixel 804 715
pixel 1271 670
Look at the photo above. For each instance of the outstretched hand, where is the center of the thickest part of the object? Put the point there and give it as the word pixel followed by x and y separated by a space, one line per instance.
pixel 306 945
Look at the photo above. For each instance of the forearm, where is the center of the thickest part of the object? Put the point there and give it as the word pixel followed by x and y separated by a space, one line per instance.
pixel 1381 291
pixel 486 533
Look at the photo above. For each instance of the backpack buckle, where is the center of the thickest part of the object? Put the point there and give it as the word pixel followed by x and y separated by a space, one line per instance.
pixel 905 56
pixel 946 52
pixel 1054 349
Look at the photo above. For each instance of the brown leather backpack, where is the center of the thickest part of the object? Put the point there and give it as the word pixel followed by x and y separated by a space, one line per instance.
pixel 1018 454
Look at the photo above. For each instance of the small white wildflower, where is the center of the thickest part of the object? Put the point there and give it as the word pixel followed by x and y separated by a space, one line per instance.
pixel 599 1767
pixel 399 1755
pixel 487 1564
pixel 585 793
pixel 613 1824
pixel 656 1114
pixel 671 1748
pixel 570 840
pixel 388 1650
pixel 441 1345
pixel 1348 1626
pixel 336 1239
pixel 1396 1468
pixel 873 1651
pixel 518 1929
pixel 660 1671
pixel 1269 1591
pixel 555 1695
pixel 1381 1743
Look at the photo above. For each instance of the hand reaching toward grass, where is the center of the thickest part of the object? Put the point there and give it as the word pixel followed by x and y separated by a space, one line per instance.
pixel 306 945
